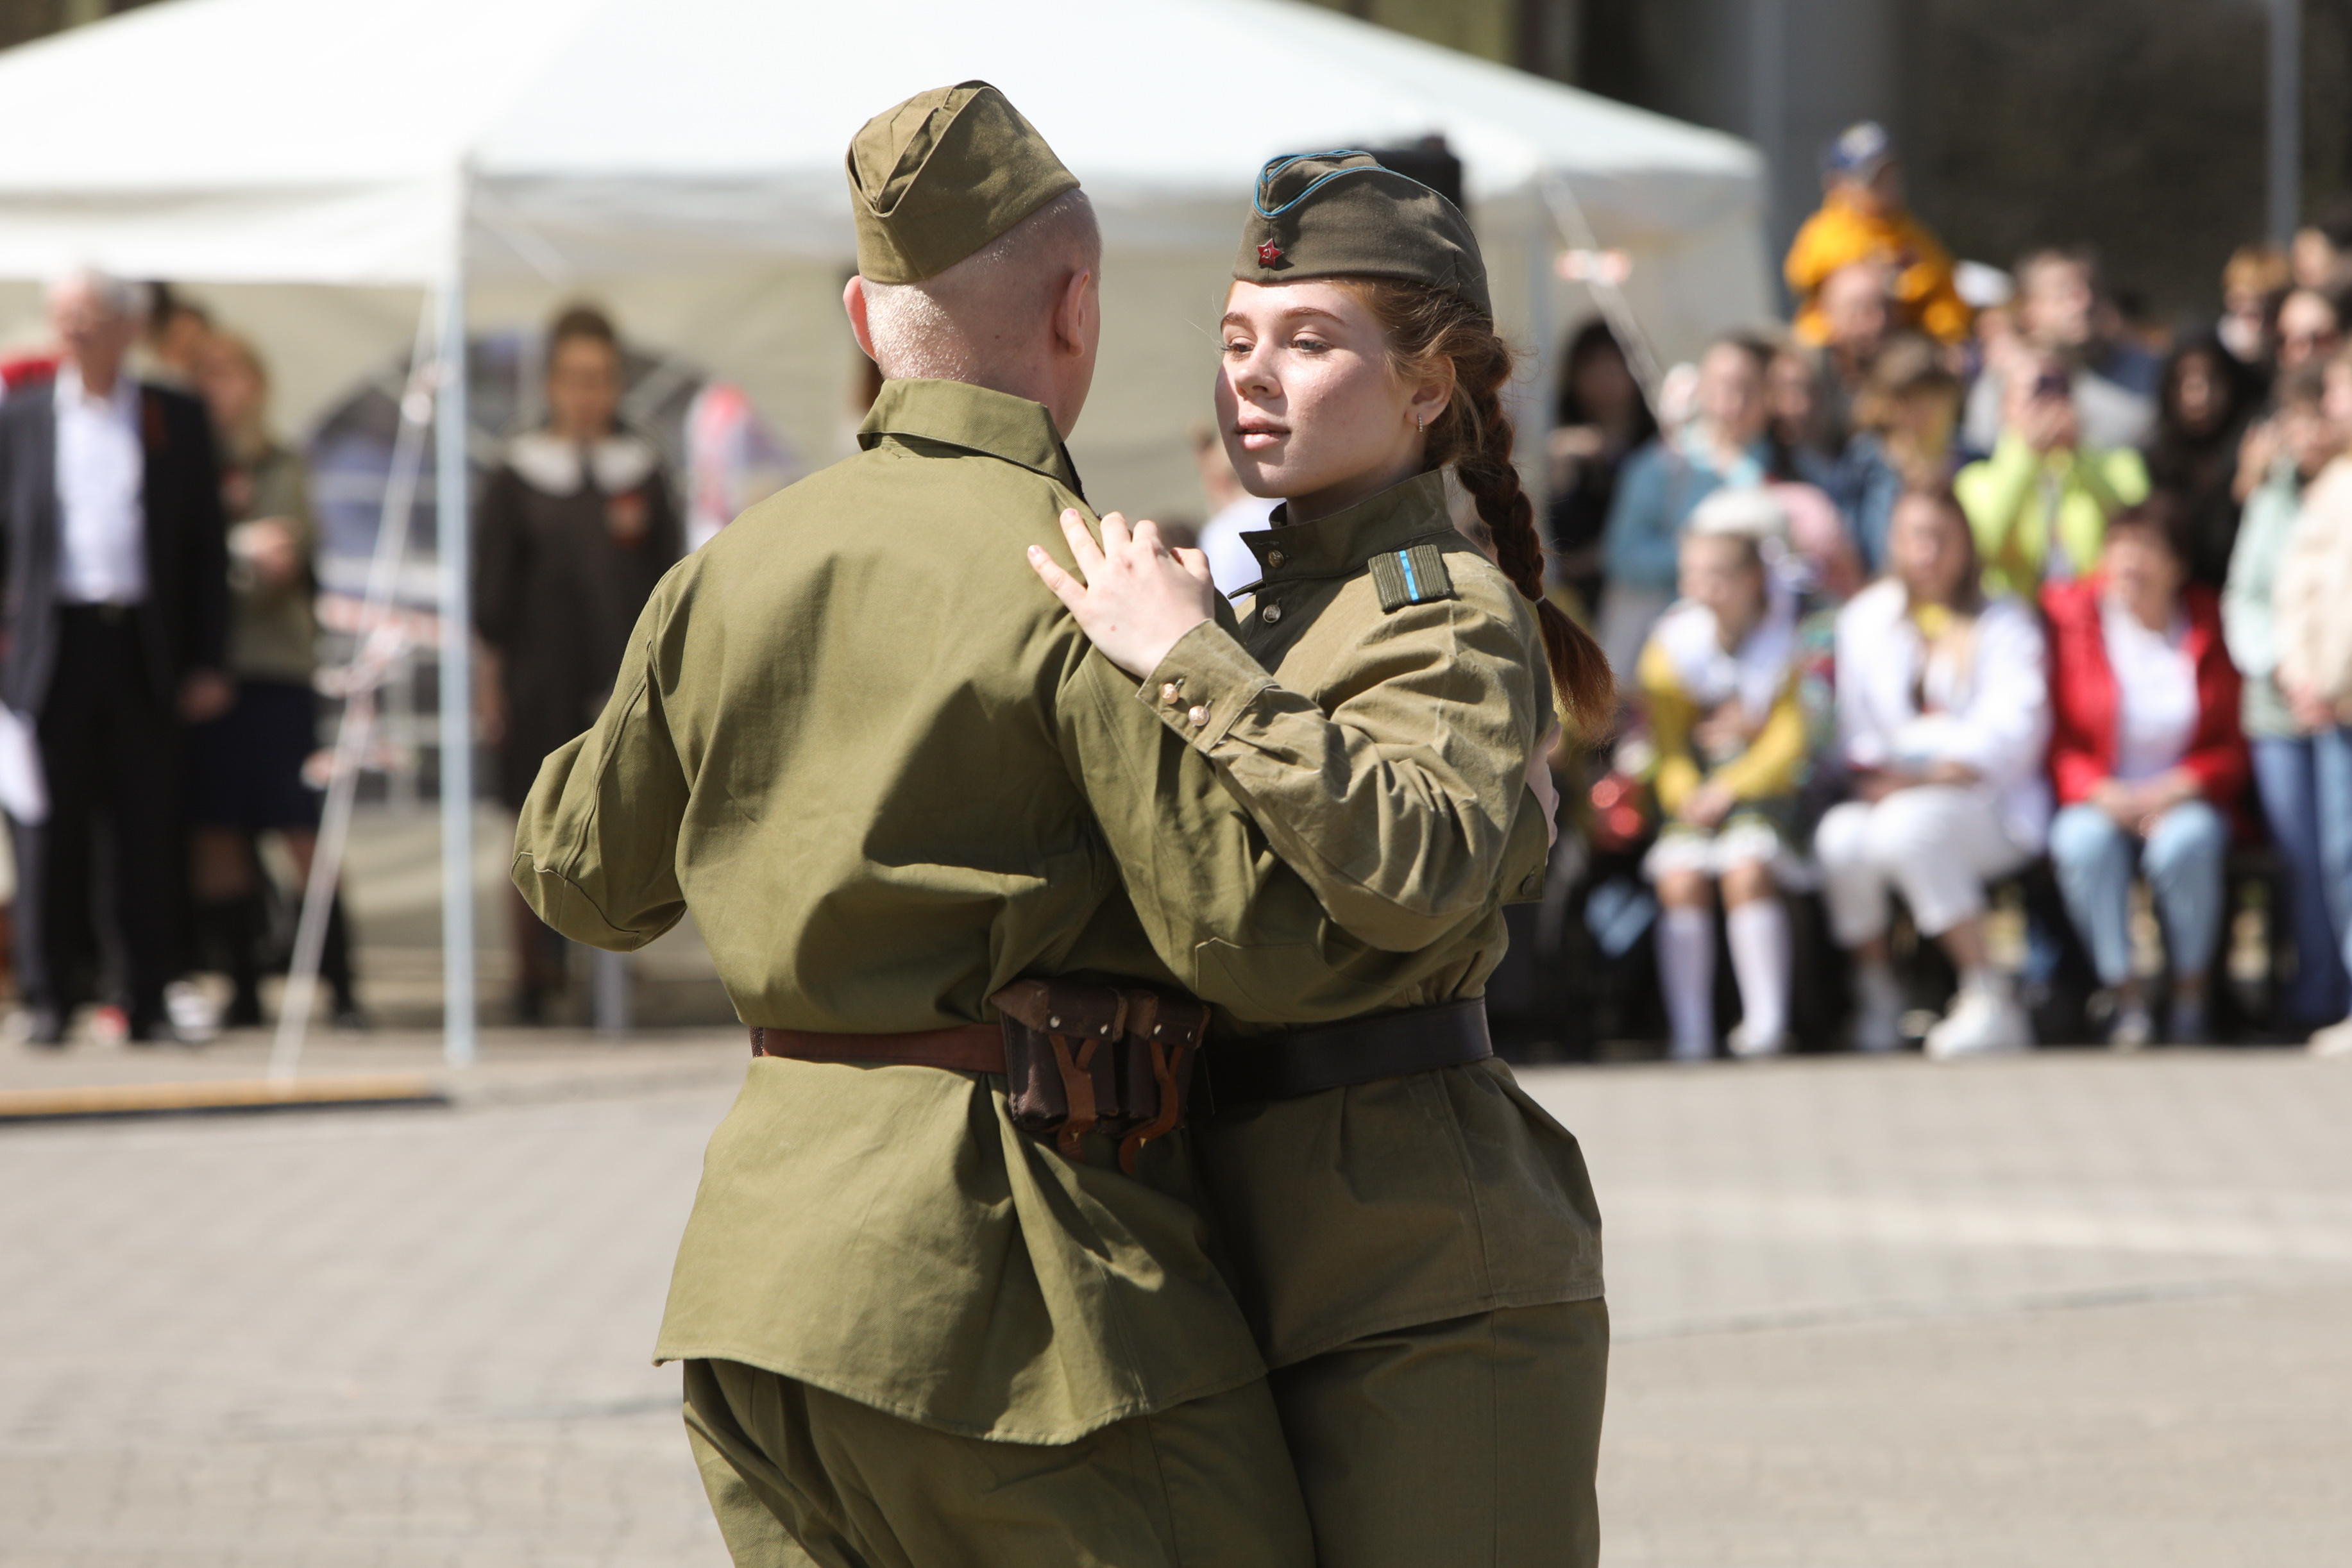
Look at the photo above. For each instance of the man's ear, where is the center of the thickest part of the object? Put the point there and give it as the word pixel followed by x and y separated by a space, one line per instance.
pixel 1074 307
pixel 852 299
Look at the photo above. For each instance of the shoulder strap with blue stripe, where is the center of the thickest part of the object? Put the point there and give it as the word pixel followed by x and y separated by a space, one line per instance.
pixel 1413 576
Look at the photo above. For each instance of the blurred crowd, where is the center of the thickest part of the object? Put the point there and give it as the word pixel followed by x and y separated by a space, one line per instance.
pixel 1969 600
pixel 160 703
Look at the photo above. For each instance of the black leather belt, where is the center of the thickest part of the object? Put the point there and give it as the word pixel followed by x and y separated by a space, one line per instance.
pixel 1304 1061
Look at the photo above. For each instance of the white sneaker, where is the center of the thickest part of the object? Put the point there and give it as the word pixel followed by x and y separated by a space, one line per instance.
pixel 192 1012
pixel 1984 1021
pixel 2336 1039
pixel 1745 1045
pixel 2134 1029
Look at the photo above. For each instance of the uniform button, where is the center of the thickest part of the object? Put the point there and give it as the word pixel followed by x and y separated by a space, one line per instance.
pixel 1198 718
pixel 1168 692
pixel 1273 560
pixel 1532 883
pixel 1270 615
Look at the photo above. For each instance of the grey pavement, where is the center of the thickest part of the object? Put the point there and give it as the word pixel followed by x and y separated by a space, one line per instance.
pixel 2073 1310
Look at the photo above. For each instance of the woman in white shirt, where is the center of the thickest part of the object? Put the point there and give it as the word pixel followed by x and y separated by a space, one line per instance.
pixel 2149 762
pixel 1943 715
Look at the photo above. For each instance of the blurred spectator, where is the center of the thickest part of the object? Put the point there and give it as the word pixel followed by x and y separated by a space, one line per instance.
pixel 733 460
pixel 2303 823
pixel 2321 256
pixel 1857 312
pixel 2253 282
pixel 117 609
pixel 1863 218
pixel 577 525
pixel 2309 329
pixel 244 767
pixel 1600 421
pixel 1943 715
pixel 177 331
pixel 1725 445
pixel 1905 421
pixel 2041 503
pixel 1801 395
pixel 2309 334
pixel 1718 676
pixel 1233 512
pixel 2149 761
pixel 1821 560
pixel 2062 316
pixel 2314 667
pixel 2202 411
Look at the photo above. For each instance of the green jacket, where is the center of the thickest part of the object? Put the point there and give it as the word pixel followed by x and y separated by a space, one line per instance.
pixel 1382 739
pixel 889 776
pixel 2010 497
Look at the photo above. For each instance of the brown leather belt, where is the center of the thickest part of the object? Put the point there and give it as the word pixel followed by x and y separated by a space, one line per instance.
pixel 964 1048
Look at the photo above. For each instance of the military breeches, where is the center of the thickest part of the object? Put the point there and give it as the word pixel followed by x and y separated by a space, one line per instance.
pixel 1469 1443
pixel 798 1475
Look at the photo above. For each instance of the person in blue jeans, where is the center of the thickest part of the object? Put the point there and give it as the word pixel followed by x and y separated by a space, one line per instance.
pixel 2287 752
pixel 2148 762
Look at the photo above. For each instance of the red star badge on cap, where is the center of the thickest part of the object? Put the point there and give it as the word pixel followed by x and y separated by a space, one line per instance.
pixel 1267 255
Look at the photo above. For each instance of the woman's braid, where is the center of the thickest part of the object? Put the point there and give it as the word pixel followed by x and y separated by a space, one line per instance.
pixel 1433 332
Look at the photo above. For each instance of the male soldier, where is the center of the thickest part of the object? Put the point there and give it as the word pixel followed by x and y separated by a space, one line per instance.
pixel 887 774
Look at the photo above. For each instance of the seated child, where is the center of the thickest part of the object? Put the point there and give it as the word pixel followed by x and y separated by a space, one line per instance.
pixel 1719 677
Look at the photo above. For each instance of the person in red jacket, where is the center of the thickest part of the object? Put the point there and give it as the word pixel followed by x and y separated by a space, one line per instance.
pixel 2150 764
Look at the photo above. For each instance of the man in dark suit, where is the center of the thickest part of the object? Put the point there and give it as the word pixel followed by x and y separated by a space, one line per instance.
pixel 113 611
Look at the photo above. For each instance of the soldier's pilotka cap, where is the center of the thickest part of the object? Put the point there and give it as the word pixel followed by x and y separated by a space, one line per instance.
pixel 1338 214
pixel 941 175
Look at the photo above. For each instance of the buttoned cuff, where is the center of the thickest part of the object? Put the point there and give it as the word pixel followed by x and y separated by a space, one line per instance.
pixel 1203 684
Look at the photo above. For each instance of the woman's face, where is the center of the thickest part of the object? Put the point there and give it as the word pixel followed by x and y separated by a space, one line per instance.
pixel 2143 574
pixel 232 388
pixel 1604 387
pixel 2307 329
pixel 2308 435
pixel 1725 575
pixel 583 388
pixel 1308 405
pixel 1927 548
pixel 1925 415
pixel 1731 395
pixel 2200 400
pixel 1791 394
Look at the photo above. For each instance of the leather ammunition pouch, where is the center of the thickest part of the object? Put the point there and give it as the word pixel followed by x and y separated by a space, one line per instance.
pixel 1084 1058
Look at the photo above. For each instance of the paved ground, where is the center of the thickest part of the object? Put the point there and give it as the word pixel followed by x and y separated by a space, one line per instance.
pixel 2072 1311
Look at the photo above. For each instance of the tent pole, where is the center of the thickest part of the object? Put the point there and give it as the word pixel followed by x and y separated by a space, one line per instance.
pixel 454 546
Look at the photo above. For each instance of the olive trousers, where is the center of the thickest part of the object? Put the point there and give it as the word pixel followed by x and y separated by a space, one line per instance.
pixel 1469 1443
pixel 798 1475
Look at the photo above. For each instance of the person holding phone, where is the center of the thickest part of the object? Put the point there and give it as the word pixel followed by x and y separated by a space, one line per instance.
pixel 2039 504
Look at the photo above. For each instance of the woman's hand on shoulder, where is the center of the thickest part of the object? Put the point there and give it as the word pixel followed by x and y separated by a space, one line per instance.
pixel 1137 598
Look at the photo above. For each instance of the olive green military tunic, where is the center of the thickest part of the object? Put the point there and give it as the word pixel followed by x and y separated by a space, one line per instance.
pixel 1383 751
pixel 971 795
pixel 1420 1257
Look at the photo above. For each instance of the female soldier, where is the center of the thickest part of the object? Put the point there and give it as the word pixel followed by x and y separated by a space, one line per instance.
pixel 1415 1240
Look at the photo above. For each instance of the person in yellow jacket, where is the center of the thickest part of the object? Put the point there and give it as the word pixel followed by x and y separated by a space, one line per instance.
pixel 1719 677
pixel 1863 218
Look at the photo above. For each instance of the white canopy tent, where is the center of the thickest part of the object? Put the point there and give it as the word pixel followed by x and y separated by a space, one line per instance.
pixel 683 158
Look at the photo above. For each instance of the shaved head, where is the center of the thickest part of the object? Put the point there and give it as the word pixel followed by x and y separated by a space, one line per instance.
pixel 973 321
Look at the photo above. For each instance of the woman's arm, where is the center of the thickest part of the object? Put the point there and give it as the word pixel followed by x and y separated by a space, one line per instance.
pixel 1398 806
